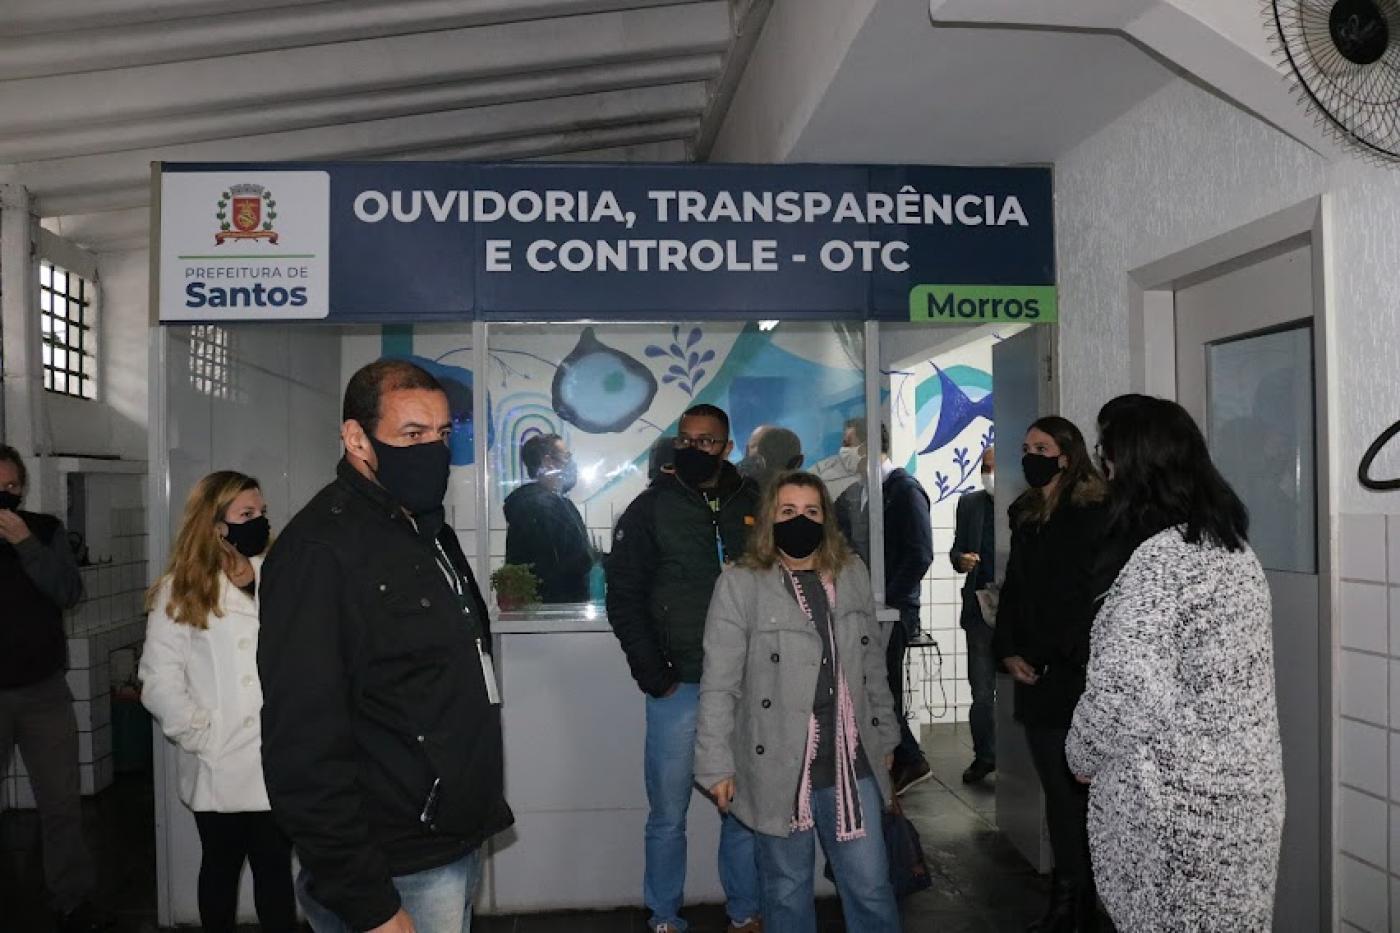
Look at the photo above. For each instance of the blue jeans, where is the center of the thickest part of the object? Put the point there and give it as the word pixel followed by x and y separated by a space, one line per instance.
pixel 861 867
pixel 982 678
pixel 670 777
pixel 439 899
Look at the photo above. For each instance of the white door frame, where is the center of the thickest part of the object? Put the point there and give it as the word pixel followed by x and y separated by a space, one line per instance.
pixel 1152 342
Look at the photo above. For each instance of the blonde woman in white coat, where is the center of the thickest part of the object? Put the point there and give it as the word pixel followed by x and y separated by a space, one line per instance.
pixel 199 678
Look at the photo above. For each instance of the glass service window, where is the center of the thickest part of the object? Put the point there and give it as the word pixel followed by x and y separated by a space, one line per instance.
pixel 585 417
pixel 69 337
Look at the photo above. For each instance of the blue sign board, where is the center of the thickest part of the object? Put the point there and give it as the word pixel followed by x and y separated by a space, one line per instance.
pixel 407 242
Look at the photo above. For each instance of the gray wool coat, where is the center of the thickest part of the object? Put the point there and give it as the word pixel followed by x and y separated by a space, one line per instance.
pixel 1179 731
pixel 760 681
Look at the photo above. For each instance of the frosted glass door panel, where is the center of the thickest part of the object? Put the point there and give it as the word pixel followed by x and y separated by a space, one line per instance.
pixel 1260 423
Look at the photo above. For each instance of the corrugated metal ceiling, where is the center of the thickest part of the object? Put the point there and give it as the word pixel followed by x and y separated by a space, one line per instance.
pixel 91 93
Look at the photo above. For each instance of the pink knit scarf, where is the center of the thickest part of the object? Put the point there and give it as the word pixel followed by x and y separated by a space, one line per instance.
pixel 850 821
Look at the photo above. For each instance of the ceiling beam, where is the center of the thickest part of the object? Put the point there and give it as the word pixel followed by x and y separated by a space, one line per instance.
pixel 108 46
pixel 88 139
pixel 52 180
pixel 135 194
pixel 364 66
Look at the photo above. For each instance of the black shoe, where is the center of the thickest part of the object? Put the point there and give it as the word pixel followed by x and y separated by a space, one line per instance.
pixel 905 776
pixel 85 918
pixel 978 770
pixel 1059 916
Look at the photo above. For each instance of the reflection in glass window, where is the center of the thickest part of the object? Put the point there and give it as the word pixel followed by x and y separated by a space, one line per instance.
pixel 583 419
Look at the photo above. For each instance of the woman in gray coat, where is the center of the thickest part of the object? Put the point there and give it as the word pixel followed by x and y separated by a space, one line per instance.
pixel 1177 731
pixel 796 725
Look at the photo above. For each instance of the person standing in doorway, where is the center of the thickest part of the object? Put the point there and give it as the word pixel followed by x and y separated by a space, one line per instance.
pixel 199 680
pixel 908 555
pixel 1178 726
pixel 544 529
pixel 974 553
pixel 38 580
pixel 381 711
pixel 1042 640
pixel 668 550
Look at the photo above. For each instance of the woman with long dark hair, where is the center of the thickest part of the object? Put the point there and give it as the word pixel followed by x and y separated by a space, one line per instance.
pixel 1178 727
pixel 797 727
pixel 199 679
pixel 1042 639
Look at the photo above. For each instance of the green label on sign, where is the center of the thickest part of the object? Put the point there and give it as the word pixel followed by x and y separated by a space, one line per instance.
pixel 983 304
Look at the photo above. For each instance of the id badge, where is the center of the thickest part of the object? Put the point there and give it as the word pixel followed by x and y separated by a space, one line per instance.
pixel 488 674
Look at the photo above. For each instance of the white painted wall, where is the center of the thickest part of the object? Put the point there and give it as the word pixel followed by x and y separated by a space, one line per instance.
pixel 1179 168
pixel 113 424
pixel 1184 166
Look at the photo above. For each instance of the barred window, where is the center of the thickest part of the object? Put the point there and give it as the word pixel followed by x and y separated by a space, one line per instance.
pixel 69 338
pixel 210 372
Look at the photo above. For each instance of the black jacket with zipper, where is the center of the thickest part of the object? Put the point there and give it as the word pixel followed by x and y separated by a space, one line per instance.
pixel 663 566
pixel 381 748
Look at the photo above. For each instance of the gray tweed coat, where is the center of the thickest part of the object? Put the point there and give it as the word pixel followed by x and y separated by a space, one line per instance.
pixel 1178 729
pixel 760 681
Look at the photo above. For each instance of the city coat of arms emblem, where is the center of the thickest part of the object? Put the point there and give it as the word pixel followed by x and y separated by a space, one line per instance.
pixel 246 212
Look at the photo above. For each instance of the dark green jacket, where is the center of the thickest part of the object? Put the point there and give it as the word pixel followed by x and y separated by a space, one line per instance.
pixel 664 563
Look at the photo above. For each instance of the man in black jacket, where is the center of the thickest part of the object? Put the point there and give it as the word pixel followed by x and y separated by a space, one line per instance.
pixel 38 580
pixel 974 553
pixel 908 555
pixel 544 528
pixel 668 550
pixel 381 718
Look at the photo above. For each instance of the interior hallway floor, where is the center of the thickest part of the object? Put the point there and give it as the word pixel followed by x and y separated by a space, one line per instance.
pixel 981 884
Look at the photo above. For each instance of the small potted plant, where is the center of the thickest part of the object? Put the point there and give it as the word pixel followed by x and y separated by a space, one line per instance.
pixel 516 586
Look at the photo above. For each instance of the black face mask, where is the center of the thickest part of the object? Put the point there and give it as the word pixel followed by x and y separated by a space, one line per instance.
pixel 9 500
pixel 416 475
pixel 695 467
pixel 250 538
pixel 798 537
pixel 1040 470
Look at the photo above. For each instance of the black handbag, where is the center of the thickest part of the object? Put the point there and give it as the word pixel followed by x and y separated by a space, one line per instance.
pixel 909 868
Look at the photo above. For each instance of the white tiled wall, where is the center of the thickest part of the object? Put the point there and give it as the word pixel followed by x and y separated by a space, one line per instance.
pixel 1368 838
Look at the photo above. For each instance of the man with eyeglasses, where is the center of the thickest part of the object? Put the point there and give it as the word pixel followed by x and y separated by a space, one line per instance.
pixel 668 550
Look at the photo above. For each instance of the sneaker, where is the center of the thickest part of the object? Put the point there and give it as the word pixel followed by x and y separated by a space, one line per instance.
pixel 921 639
pixel 665 928
pixel 905 776
pixel 752 925
pixel 978 770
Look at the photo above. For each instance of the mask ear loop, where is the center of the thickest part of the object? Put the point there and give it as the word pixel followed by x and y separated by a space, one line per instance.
pixel 1363 472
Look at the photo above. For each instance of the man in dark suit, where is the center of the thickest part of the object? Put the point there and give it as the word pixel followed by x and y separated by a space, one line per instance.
pixel 974 554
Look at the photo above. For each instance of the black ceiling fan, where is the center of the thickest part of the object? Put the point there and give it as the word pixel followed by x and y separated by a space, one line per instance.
pixel 1343 59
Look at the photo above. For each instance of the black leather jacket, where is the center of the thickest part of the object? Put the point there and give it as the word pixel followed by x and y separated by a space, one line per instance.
pixel 381 748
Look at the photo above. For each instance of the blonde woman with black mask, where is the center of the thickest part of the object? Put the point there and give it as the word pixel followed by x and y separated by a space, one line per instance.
pixel 796 725
pixel 199 679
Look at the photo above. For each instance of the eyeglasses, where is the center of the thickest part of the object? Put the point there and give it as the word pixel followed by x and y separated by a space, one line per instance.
pixel 704 442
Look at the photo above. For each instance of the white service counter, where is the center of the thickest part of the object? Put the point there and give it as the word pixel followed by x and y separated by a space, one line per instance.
pixel 575 727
